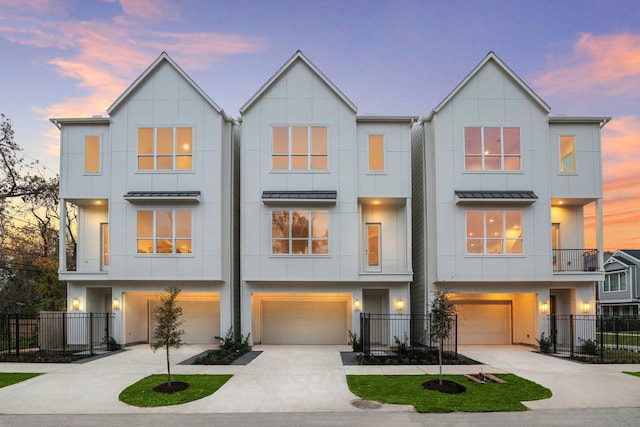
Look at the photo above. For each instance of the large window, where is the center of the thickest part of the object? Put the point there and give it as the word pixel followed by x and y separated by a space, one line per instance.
pixel 567 153
pixel 376 153
pixel 164 231
pixel 494 232
pixel 299 148
pixel 615 282
pixel 300 232
pixel 165 148
pixel 492 149
pixel 92 154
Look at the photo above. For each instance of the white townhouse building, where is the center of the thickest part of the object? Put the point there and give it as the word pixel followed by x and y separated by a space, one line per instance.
pixel 325 211
pixel 154 185
pixel 500 194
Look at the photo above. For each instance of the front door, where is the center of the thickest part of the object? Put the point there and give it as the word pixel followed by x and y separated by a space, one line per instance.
pixel 373 247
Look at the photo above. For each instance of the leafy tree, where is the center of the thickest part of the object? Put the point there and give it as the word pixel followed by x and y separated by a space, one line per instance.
pixel 168 333
pixel 442 320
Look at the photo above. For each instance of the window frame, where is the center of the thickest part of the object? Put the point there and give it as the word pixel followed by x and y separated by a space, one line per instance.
pixel 291 155
pixel 98 154
pixel 175 154
pixel 291 239
pixel 154 238
pixel 606 285
pixel 573 153
pixel 483 153
pixel 504 238
pixel 382 153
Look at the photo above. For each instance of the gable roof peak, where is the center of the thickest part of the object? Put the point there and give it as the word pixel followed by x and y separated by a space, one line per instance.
pixel 297 56
pixel 163 58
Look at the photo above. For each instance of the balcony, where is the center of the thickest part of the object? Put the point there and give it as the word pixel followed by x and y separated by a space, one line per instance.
pixel 572 260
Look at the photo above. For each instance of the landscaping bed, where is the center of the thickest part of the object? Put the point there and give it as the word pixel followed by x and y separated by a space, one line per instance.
pixel 415 358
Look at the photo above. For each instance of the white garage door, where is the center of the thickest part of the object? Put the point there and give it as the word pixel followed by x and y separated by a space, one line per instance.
pixel 304 322
pixel 484 323
pixel 201 321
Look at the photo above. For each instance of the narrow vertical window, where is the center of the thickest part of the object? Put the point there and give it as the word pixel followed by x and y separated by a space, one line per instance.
pixel 92 154
pixel 376 153
pixel 567 154
pixel 105 244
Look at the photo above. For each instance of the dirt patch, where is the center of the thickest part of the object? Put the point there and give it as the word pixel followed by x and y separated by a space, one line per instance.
pixel 366 404
pixel 449 387
pixel 173 388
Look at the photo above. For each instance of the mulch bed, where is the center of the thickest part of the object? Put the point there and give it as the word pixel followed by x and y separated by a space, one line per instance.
pixel 173 388
pixel 447 386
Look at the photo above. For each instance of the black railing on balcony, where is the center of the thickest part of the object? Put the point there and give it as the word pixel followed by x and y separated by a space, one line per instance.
pixel 575 260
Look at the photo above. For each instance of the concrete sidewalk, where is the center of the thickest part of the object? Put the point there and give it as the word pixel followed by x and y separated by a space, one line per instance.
pixel 295 379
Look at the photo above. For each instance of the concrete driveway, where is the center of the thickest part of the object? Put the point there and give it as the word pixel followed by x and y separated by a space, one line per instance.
pixel 574 385
pixel 295 379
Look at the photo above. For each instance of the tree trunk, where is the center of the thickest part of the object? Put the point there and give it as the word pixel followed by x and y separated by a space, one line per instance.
pixel 168 368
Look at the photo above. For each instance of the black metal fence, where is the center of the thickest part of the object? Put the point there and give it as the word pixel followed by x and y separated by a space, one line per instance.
pixel 575 260
pixel 596 338
pixel 53 334
pixel 390 334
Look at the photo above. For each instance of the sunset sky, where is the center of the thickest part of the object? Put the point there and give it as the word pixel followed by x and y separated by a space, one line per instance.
pixel 73 58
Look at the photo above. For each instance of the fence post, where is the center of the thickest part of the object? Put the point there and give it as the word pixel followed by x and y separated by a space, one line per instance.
pixel 64 331
pixel 91 334
pixel 553 332
pixel 601 337
pixel 571 329
pixel 456 341
pixel 107 320
pixel 615 331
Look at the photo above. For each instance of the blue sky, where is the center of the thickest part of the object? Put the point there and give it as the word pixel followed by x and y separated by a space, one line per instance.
pixel 73 58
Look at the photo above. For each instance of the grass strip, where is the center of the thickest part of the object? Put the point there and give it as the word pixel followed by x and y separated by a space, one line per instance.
pixel 635 374
pixel 142 393
pixel 9 378
pixel 408 390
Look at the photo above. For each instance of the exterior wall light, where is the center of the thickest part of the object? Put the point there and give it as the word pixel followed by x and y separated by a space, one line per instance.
pixel 357 306
pixel 586 307
pixel 115 303
pixel 544 307
pixel 75 303
pixel 399 304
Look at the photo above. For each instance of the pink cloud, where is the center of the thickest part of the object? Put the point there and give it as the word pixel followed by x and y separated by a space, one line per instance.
pixel 149 10
pixel 610 63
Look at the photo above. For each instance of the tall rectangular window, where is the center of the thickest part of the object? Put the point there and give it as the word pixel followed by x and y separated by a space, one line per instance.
pixel 164 231
pixel 104 234
pixel 492 148
pixel 165 148
pixel 494 232
pixel 567 153
pixel 376 153
pixel 299 148
pixel 92 154
pixel 300 232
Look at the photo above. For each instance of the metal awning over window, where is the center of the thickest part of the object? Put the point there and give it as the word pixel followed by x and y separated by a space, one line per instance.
pixel 162 196
pixel 521 197
pixel 321 197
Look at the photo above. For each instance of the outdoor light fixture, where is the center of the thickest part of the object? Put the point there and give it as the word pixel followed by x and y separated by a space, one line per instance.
pixel 116 303
pixel 544 307
pixel 399 303
pixel 586 307
pixel 75 303
pixel 356 305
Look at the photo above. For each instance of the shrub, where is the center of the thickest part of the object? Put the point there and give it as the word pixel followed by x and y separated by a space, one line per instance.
pixel 355 342
pixel 402 347
pixel 545 344
pixel 589 347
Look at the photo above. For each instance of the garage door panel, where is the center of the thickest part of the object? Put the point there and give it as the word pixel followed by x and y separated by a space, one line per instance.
pixel 201 321
pixel 304 322
pixel 484 323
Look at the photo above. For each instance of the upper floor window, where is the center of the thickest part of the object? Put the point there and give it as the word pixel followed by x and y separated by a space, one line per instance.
pixel 299 148
pixel 164 231
pixel 494 232
pixel 615 282
pixel 567 153
pixel 165 148
pixel 376 153
pixel 492 148
pixel 92 154
pixel 300 232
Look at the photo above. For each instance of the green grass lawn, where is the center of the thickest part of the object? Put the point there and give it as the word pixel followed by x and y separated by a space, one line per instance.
pixel 635 374
pixel 142 394
pixel 624 338
pixel 9 378
pixel 408 390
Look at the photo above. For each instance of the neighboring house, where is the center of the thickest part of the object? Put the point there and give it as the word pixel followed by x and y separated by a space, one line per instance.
pixel 500 191
pixel 154 186
pixel 325 211
pixel 618 293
